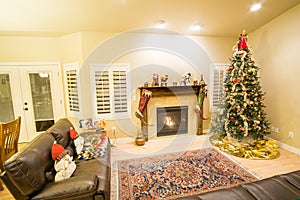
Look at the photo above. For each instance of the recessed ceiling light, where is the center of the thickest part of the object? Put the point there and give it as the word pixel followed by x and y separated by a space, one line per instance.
pixel 255 7
pixel 196 27
pixel 161 24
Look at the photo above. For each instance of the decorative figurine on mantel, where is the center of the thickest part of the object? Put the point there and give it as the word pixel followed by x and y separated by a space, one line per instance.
pixel 164 80
pixel 182 82
pixel 155 81
pixel 187 79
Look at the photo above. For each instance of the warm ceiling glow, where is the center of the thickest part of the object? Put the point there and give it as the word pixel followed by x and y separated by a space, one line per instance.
pixel 196 27
pixel 161 24
pixel 255 7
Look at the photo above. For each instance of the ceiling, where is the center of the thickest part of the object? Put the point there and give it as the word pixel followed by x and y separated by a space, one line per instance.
pixel 61 17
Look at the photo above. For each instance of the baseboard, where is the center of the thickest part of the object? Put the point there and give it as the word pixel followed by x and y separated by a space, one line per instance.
pixel 286 146
pixel 122 140
pixel 131 139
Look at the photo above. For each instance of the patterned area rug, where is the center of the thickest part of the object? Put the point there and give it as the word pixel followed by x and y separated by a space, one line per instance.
pixel 175 175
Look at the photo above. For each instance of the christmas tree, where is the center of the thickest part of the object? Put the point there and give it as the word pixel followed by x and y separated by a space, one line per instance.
pixel 245 116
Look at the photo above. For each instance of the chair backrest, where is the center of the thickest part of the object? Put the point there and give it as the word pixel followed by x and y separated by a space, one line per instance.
pixel 9 136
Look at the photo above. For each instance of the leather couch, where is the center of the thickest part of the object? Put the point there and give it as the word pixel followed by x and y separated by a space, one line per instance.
pixel 29 173
pixel 286 186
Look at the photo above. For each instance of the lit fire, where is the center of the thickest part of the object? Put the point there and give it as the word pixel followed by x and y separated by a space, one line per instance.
pixel 169 121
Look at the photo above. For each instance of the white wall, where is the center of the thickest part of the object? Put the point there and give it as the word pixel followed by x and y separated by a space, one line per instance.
pixel 177 54
pixel 169 53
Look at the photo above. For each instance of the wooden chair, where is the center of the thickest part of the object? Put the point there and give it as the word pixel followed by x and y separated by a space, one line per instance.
pixel 9 136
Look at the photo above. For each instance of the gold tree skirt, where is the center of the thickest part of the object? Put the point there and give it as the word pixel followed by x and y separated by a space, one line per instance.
pixel 247 148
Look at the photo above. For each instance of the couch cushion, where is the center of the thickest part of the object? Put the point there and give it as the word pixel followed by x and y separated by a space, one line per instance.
pixel 75 187
pixel 94 167
pixel 272 188
pixel 27 168
pixel 60 131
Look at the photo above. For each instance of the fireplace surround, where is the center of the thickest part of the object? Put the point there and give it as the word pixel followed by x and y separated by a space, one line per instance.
pixel 170 96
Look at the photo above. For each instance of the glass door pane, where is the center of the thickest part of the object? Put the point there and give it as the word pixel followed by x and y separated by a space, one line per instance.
pixel 6 103
pixel 41 100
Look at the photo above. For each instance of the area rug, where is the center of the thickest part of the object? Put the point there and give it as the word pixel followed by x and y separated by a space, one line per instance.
pixel 175 175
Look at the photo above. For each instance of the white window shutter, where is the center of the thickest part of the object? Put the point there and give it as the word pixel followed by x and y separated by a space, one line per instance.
pixel 120 91
pixel 73 98
pixel 216 84
pixel 72 87
pixel 102 92
pixel 111 91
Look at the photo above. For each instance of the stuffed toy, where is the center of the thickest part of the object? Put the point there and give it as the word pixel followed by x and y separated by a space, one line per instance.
pixel 63 165
pixel 78 140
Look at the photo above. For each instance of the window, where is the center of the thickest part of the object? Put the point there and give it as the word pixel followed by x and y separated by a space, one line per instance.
pixel 110 91
pixel 217 75
pixel 72 87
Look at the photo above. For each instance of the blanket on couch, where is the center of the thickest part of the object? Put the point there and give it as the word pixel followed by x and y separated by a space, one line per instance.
pixel 95 146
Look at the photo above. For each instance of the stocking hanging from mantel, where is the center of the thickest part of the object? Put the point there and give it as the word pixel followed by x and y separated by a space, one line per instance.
pixel 200 100
pixel 144 99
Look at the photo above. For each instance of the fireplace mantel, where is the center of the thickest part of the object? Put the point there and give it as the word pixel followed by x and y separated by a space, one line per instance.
pixel 161 91
pixel 169 91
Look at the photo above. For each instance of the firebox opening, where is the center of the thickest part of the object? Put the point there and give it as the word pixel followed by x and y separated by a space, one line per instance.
pixel 172 120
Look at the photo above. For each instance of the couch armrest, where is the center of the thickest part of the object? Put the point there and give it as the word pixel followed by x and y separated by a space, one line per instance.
pixel 12 188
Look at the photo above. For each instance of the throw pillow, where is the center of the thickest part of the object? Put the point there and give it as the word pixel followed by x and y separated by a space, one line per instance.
pixel 61 137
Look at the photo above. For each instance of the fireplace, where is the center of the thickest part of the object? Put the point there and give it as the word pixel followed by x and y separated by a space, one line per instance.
pixel 172 120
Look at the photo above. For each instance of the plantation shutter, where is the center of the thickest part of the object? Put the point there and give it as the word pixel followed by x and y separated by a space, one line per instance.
pixel 102 92
pixel 216 84
pixel 110 84
pixel 120 91
pixel 72 88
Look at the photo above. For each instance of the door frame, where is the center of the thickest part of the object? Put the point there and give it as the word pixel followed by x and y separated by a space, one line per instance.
pixel 17 69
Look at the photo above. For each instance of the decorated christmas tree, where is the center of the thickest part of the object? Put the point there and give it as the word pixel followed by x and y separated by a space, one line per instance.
pixel 245 116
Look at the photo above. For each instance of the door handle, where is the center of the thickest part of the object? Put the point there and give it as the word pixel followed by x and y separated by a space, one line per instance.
pixel 25 108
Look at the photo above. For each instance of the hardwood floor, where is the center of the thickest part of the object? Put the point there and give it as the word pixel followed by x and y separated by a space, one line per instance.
pixel 123 149
pixel 126 149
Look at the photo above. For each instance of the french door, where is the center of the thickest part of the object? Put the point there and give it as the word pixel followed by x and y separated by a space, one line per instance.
pixel 34 92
